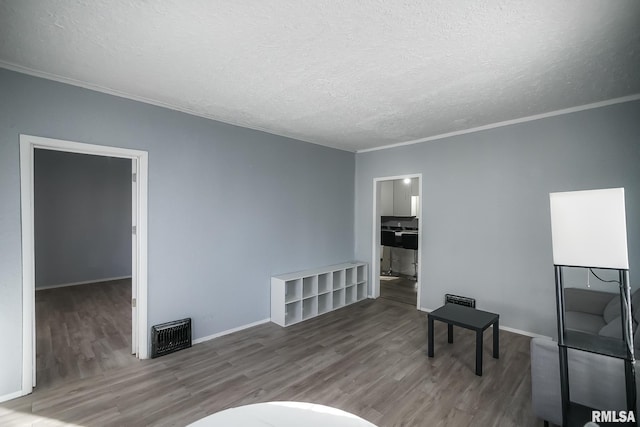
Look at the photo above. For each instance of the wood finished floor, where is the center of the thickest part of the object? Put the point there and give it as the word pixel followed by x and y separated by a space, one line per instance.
pixel 399 289
pixel 368 358
pixel 82 331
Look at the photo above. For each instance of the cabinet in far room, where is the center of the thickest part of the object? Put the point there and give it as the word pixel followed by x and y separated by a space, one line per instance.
pixel 402 196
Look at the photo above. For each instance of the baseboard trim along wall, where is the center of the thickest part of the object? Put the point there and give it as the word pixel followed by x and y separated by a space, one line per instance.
pixel 504 328
pixel 11 396
pixel 87 282
pixel 526 333
pixel 230 331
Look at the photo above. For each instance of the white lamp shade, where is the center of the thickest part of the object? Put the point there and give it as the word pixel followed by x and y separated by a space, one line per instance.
pixel 589 229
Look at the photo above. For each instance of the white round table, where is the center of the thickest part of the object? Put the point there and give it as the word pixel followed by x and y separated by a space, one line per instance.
pixel 282 414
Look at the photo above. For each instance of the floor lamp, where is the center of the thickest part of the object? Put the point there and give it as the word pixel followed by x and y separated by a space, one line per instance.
pixel 588 230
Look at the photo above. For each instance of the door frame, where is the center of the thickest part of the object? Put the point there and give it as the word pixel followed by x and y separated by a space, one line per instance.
pixel 28 144
pixel 375 233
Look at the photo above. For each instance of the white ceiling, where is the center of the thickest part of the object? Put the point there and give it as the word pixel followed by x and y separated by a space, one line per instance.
pixel 348 74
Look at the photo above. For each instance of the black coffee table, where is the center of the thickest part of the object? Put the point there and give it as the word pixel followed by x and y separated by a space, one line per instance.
pixel 469 318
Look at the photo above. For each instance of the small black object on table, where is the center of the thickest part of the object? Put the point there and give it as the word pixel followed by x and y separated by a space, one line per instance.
pixel 469 318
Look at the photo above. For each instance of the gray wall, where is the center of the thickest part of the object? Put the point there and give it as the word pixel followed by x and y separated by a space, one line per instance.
pixel 485 208
pixel 228 207
pixel 82 217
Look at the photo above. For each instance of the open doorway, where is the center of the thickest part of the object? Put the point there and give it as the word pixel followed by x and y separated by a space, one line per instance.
pixel 83 262
pixel 396 238
pixel 135 287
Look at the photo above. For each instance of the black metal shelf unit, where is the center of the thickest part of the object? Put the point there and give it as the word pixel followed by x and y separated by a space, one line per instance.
pixel 574 414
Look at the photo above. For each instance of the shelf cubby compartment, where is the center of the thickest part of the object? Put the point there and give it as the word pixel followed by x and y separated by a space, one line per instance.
pixel 293 290
pixel 324 283
pixel 338 279
pixel 349 294
pixel 361 273
pixel 309 286
pixel 361 291
pixel 338 299
pixel 350 276
pixel 293 312
pixel 325 303
pixel 309 307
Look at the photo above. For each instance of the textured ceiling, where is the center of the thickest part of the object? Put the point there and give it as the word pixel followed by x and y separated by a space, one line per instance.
pixel 346 74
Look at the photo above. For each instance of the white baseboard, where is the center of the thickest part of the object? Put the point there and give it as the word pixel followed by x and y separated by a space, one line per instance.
pixel 86 282
pixel 504 328
pixel 230 331
pixel 11 396
pixel 525 333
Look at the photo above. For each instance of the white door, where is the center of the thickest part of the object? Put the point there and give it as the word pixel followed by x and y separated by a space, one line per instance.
pixel 134 257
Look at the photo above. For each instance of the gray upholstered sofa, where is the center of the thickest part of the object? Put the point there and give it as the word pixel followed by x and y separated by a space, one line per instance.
pixel 594 380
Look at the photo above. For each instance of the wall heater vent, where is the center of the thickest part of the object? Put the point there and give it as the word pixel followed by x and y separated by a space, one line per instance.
pixel 457 299
pixel 169 337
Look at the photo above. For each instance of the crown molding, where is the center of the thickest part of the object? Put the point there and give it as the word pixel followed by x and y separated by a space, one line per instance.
pixel 564 111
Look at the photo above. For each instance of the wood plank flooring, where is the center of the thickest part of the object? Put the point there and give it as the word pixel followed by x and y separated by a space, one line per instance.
pixel 368 358
pixel 82 331
pixel 399 289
